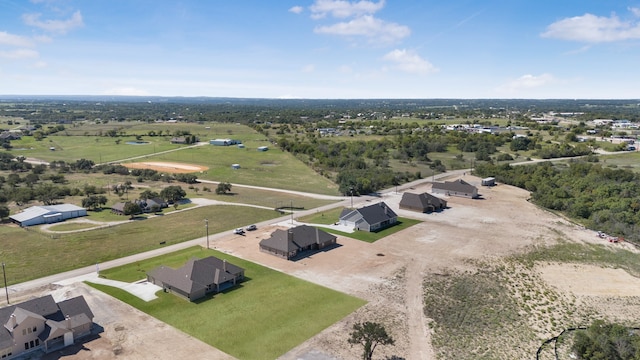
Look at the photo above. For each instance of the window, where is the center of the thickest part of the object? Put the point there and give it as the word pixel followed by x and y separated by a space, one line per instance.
pixel 37 342
pixel 24 332
pixel 35 328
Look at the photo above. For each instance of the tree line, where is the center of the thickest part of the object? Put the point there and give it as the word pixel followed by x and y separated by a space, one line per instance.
pixel 602 198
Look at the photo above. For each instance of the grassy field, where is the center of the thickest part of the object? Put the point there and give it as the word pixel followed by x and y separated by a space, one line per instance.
pixel 263 318
pixel 96 148
pixel 30 253
pixel 272 168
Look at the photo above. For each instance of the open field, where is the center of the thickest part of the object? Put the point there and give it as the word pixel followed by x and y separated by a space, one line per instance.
pixel 29 253
pixel 262 318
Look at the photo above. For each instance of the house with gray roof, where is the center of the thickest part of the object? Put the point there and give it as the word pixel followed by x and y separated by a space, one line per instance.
pixel 458 187
pixel 197 278
pixel 41 324
pixel 369 218
pixel 36 215
pixel 424 202
pixel 296 242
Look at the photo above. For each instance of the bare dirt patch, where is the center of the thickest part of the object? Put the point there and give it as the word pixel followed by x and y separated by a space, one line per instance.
pixel 590 280
pixel 167 167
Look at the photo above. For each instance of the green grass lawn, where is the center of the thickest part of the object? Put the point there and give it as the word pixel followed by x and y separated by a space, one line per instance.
pixel 30 253
pixel 324 217
pixel 96 148
pixel 263 318
pixel 371 237
pixel 273 168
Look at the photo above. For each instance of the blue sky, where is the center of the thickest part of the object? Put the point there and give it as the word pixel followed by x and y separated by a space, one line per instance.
pixel 322 48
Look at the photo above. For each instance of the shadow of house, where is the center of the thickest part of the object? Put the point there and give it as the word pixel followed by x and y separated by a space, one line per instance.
pixel 41 324
pixel 370 218
pixel 197 278
pixel 458 187
pixel 424 202
pixel 297 242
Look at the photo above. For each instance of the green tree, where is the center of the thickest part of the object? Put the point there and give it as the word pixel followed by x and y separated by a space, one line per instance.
pixel 148 194
pixel 132 209
pixel 4 211
pixel 223 188
pixel 173 193
pixel 369 335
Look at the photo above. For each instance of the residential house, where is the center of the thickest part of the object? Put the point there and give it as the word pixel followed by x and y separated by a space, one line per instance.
pixel 36 215
pixel 8 136
pixel 455 188
pixel 296 242
pixel 152 205
pixel 423 202
pixel 118 208
pixel 197 278
pixel 146 205
pixel 41 324
pixel 369 218
pixel 178 140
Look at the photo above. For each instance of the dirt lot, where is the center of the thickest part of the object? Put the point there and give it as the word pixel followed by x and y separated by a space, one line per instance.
pixel 167 167
pixel 387 273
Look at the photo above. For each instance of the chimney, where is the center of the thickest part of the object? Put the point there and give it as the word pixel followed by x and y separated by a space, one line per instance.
pixel 224 265
pixel 12 323
pixel 67 322
pixel 290 234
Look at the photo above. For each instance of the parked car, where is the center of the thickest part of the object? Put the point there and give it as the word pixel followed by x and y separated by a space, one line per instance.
pixel 238 231
pixel 252 227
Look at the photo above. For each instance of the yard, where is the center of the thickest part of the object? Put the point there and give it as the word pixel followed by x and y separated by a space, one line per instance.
pixel 262 318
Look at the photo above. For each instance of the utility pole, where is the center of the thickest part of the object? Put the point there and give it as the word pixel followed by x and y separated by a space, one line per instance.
pixel 6 290
pixel 351 189
pixel 206 225
pixel 291 209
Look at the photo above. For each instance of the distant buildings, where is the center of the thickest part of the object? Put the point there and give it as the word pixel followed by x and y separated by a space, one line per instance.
pixel 224 142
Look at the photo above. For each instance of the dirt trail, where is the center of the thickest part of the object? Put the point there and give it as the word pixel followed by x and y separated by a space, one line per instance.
pixel 419 333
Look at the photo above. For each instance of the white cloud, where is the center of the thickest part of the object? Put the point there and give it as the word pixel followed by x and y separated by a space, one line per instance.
pixel 54 26
pixel 344 9
pixel 635 11
pixel 526 82
pixel 409 61
pixel 374 29
pixel 296 9
pixel 308 68
pixel 594 29
pixel 14 40
pixel 19 54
